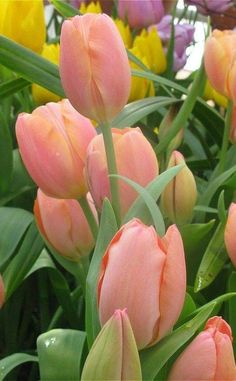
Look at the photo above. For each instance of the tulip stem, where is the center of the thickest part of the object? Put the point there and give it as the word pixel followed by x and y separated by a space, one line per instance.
pixel 90 216
pixel 112 168
pixel 224 147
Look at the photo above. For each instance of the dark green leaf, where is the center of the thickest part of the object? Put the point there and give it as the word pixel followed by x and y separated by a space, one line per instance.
pixel 12 86
pixel 6 162
pixel 11 362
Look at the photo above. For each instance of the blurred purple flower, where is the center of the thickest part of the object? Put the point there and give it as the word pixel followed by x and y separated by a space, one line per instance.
pixel 207 6
pixel 140 13
pixel 183 37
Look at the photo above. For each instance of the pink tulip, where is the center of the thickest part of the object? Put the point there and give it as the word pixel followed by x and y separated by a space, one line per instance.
pixel 220 62
pixel 230 236
pixel 94 66
pixel 145 274
pixel 53 142
pixel 140 13
pixel 209 357
pixel 64 225
pixel 135 160
pixel 2 292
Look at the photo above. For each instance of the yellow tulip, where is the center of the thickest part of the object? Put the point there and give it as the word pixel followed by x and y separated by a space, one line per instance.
pixel 40 94
pixel 90 8
pixel 23 21
pixel 125 32
pixel 211 94
pixel 150 46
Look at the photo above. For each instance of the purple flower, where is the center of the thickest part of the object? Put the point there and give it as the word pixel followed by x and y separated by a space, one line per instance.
pixel 207 6
pixel 183 37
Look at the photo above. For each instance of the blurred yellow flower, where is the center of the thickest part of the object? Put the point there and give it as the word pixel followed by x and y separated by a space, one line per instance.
pixel 211 94
pixel 23 21
pixel 140 87
pixel 90 8
pixel 150 46
pixel 41 95
pixel 125 32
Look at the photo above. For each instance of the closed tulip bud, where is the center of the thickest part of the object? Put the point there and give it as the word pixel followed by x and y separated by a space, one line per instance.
pixel 53 142
pixel 209 356
pixel 114 354
pixel 23 21
pixel 140 13
pixel 40 94
pixel 90 46
pixel 165 127
pixel 135 159
pixel 2 292
pixel 230 237
pixel 179 197
pixel 138 272
pixel 220 62
pixel 64 225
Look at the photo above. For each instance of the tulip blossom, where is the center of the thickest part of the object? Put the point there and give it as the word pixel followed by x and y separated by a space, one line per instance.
pixel 140 13
pixel 179 197
pixel 208 357
pixel 2 291
pixel 230 237
pixel 211 6
pixel 139 272
pixel 135 159
pixel 23 21
pixel 220 62
pixel 90 47
pixel 64 225
pixel 53 142
pixel 114 354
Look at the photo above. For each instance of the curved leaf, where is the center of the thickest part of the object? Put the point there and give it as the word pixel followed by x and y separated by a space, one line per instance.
pixel 11 362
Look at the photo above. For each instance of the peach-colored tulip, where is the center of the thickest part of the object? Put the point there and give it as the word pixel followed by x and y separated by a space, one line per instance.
pixel 230 236
pixel 220 61
pixel 139 272
pixel 64 225
pixel 140 13
pixel 53 142
pixel 135 159
pixel 232 134
pixel 2 291
pixel 209 357
pixel 94 66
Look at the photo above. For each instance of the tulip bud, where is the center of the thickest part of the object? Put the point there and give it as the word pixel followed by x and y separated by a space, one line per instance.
pixel 179 196
pixel 64 225
pixel 114 354
pixel 53 142
pixel 135 159
pixel 23 21
pixel 90 46
pixel 140 13
pixel 165 127
pixel 2 292
pixel 220 62
pixel 209 356
pixel 230 237
pixel 139 268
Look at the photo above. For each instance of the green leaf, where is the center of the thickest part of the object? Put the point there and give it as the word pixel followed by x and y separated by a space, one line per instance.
pixel 6 162
pixel 60 352
pixel 135 111
pixel 232 306
pixel 23 261
pixel 107 230
pixel 139 208
pixel 213 260
pixel 30 66
pixel 154 358
pixel 150 202
pixel 13 224
pixel 65 9
pixel 9 363
pixel 221 208
pixel 12 86
pixel 188 308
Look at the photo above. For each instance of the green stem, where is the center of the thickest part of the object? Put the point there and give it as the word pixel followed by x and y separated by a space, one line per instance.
pixel 112 168
pixel 81 269
pixel 184 112
pixel 225 141
pixel 90 216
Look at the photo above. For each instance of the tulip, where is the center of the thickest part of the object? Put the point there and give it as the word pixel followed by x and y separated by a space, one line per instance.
pixel 40 94
pixel 138 272
pixel 135 160
pixel 220 62
pixel 114 354
pixel 90 8
pixel 23 21
pixel 165 127
pixel 64 225
pixel 53 142
pixel 209 357
pixel 207 7
pixel 211 94
pixel 2 292
pixel 90 46
pixel 140 13
pixel 125 32
pixel 230 238
pixel 232 134
pixel 179 197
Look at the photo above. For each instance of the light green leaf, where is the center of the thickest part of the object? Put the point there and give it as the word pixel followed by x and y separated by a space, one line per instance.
pixel 9 363
pixel 65 9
